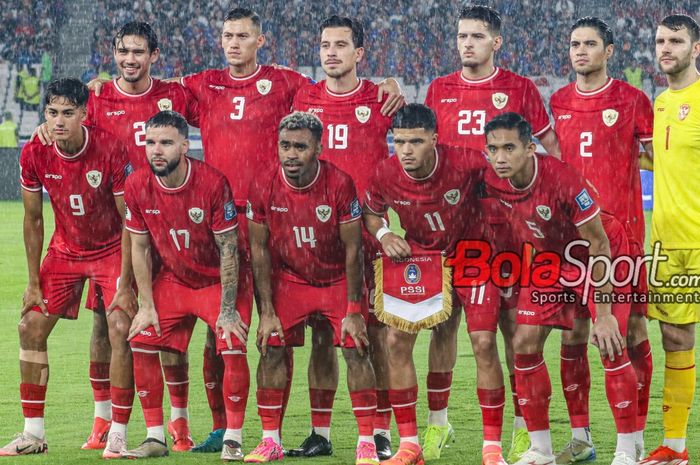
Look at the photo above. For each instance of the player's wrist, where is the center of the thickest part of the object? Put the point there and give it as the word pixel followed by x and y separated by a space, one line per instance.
pixel 383 231
pixel 354 308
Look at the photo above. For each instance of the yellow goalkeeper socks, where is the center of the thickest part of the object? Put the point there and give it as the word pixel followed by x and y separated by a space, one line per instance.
pixel 679 388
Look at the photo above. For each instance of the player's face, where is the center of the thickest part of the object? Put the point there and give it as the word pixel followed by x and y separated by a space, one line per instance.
pixel 675 51
pixel 338 53
pixel 165 149
pixel 587 52
pixel 415 148
pixel 298 152
pixel 508 154
pixel 241 40
pixel 476 43
pixel 133 58
pixel 64 118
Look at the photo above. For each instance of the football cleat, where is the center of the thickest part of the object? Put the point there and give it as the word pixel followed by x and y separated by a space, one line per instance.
pixel 492 455
pixel 435 439
pixel 535 457
pixel 179 430
pixel 519 444
pixel 622 458
pixel 267 451
pixel 115 446
pixel 576 451
pixel 231 451
pixel 24 444
pixel 383 445
pixel 408 454
pixel 98 437
pixel 313 445
pixel 366 454
pixel 213 443
pixel 664 455
pixel 149 448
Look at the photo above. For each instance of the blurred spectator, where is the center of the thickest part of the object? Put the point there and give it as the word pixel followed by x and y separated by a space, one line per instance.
pixel 633 74
pixel 46 69
pixel 9 132
pixel 30 91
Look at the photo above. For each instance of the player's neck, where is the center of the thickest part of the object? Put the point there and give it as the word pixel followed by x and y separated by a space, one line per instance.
pixel 241 71
pixel 476 73
pixel 523 179
pixel 425 171
pixel 134 88
pixel 591 81
pixel 683 79
pixel 177 177
pixel 305 179
pixel 342 84
pixel 73 145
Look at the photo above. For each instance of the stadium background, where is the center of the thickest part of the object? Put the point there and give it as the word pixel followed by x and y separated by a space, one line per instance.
pixel 413 41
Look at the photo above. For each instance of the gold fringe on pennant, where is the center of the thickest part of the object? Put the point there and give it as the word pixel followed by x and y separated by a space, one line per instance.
pixel 405 325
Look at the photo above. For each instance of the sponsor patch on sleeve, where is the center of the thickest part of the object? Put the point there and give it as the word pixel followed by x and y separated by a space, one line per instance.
pixel 248 210
pixel 128 169
pixel 229 211
pixel 355 208
pixel 127 213
pixel 584 200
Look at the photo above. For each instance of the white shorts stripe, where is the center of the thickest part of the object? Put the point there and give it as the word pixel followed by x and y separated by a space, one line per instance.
pixel 143 351
pixel 232 352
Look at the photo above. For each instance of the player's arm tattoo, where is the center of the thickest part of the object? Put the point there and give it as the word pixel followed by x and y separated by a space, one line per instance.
pixel 228 254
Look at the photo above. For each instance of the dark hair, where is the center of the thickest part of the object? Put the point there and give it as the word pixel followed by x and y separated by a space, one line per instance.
pixel 137 28
pixel 301 120
pixel 358 33
pixel 414 116
pixel 677 22
pixel 511 121
pixel 243 13
pixel 599 25
pixel 483 13
pixel 70 89
pixel 169 118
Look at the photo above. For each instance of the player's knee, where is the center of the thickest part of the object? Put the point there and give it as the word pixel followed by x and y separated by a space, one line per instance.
pixel 31 335
pixel 636 330
pixel 274 358
pixel 352 357
pixel 484 345
pixel 118 329
pixel 398 346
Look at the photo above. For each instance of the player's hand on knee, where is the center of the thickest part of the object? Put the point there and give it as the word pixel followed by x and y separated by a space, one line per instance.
pixel 96 85
pixel 230 322
pixel 606 336
pixel 33 298
pixel 43 133
pixel 146 316
pixel 269 325
pixel 395 98
pixel 395 246
pixel 125 299
pixel 354 326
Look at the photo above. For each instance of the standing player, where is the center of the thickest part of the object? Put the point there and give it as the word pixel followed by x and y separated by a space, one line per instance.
pixel 355 141
pixel 600 123
pixel 463 102
pixel 183 210
pixel 676 224
pixel 550 207
pixel 84 173
pixel 304 220
pixel 435 194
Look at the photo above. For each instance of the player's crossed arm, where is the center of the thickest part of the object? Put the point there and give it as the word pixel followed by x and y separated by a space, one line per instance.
pixel 146 315
pixel 393 245
pixel 229 321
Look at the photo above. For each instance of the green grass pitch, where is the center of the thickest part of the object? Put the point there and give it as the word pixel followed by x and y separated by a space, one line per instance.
pixel 69 402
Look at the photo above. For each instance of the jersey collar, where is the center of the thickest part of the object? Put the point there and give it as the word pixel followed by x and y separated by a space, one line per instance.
pixel 172 190
pixel 308 186
pixel 244 78
pixel 593 92
pixel 150 86
pixel 488 78
pixel 65 156
pixel 430 175
pixel 345 94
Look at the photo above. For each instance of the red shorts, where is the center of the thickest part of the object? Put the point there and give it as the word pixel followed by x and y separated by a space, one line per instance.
pixel 300 303
pixel 481 306
pixel 178 308
pixel 62 281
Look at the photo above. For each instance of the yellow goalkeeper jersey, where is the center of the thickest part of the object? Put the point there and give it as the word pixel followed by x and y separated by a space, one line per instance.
pixel 676 216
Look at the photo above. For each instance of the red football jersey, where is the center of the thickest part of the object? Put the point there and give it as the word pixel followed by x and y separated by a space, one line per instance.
pixel 304 223
pixel 239 118
pixel 599 133
pixel 125 115
pixel 182 221
pixel 354 129
pixel 82 188
pixel 463 107
pixel 438 210
pixel 548 212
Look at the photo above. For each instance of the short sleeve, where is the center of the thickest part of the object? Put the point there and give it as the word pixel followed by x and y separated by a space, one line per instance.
pixel 91 118
pixel 643 118
pixel 194 83
pixel 134 217
pixel 255 207
pixel 430 96
pixel 28 178
pixel 223 210
pixel 374 200
pixel 121 168
pixel 534 110
pixel 348 206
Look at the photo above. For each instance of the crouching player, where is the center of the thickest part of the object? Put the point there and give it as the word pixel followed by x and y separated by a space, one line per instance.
pixel 306 252
pixel 551 206
pixel 434 191
pixel 184 210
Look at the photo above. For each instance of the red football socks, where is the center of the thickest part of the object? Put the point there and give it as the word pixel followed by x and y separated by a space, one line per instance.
pixel 236 387
pixel 99 380
pixel 148 378
pixel 364 407
pixel 621 389
pixel 576 381
pixel 403 402
pixel 492 402
pixel 534 390
pixel 643 364
pixel 321 407
pixel 439 385
pixel 213 370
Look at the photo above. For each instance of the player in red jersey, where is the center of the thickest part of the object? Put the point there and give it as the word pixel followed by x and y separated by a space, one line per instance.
pixel 600 123
pixel 184 209
pixel 463 102
pixel 551 206
pixel 83 173
pixel 435 194
pixel 304 221
pixel 355 141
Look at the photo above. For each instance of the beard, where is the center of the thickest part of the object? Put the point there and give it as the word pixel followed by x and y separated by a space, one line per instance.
pixel 586 71
pixel 337 73
pixel 169 168
pixel 681 64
